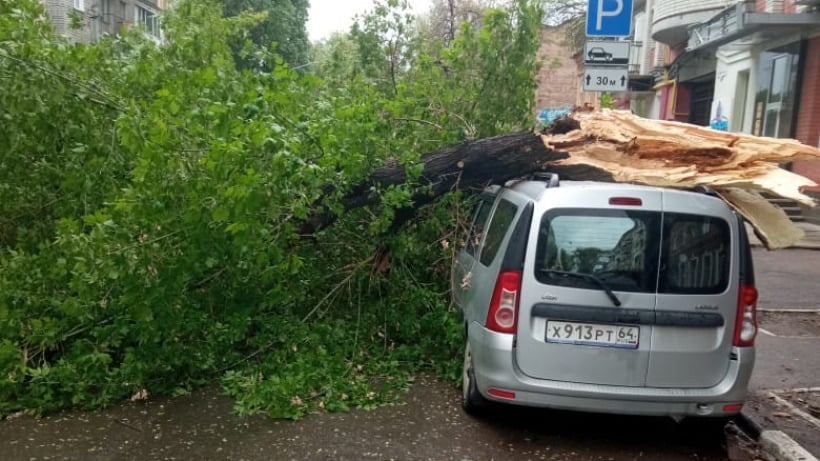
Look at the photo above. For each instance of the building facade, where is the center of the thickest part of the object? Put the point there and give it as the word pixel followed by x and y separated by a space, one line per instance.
pixel 558 78
pixel 85 21
pixel 746 66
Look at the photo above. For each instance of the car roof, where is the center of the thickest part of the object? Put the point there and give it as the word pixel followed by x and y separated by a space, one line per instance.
pixel 535 189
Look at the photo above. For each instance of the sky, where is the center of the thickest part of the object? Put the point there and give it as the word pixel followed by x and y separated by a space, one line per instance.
pixel 328 16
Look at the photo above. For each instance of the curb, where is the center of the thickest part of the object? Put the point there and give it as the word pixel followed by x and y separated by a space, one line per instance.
pixel 750 423
pixel 782 447
pixel 776 445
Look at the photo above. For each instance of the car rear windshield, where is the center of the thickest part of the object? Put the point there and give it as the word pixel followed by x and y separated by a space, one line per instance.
pixel 634 251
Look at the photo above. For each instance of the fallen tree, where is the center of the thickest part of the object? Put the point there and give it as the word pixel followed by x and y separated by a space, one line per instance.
pixel 615 146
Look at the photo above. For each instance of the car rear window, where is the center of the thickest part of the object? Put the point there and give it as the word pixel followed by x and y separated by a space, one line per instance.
pixel 696 255
pixel 633 251
pixel 619 247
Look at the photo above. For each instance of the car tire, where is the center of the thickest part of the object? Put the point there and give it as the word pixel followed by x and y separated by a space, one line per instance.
pixel 471 399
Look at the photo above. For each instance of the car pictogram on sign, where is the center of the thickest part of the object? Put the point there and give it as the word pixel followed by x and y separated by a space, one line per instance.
pixel 597 53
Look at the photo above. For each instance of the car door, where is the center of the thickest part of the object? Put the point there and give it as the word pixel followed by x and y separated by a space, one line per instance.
pixel 570 328
pixel 697 293
pixel 465 261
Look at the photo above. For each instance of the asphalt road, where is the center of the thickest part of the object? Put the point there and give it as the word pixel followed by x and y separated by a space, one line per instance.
pixel 788 341
pixel 431 424
pixel 787 345
pixel 788 279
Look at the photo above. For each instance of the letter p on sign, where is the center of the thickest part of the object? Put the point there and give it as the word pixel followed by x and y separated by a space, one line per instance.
pixel 609 18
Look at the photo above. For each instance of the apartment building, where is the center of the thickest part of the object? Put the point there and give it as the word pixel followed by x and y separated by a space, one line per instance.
pixel 84 21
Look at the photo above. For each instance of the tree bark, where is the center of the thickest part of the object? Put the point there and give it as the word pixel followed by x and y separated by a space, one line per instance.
pixel 472 165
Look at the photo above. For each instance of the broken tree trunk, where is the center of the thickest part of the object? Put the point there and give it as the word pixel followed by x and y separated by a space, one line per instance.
pixel 615 146
pixel 672 154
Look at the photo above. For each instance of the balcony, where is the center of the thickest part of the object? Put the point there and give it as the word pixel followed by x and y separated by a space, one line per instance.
pixel 673 17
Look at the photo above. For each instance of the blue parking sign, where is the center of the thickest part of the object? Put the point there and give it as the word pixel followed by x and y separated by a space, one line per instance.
pixel 609 18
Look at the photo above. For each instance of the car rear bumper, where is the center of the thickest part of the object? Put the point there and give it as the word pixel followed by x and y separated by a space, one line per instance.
pixel 495 368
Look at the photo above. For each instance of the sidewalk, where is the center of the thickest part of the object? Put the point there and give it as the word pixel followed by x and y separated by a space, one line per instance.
pixel 783 407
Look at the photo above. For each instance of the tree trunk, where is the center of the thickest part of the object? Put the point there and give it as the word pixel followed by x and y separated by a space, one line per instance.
pixel 613 146
pixel 470 165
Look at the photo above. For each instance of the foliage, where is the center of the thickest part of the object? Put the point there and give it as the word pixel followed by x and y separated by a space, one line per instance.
pixel 445 17
pixel 335 59
pixel 559 11
pixel 571 14
pixel 152 196
pixel 283 27
pixel 607 101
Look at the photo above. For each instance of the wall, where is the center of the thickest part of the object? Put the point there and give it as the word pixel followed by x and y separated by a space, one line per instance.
pixel 729 64
pixel 95 24
pixel 808 116
pixel 640 46
pixel 58 12
pixel 671 17
pixel 777 6
pixel 667 8
pixel 558 81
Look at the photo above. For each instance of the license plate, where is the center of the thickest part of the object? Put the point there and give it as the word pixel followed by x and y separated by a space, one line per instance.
pixel 593 334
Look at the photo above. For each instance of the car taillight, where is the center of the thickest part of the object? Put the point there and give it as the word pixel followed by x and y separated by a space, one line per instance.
pixel 746 322
pixel 503 314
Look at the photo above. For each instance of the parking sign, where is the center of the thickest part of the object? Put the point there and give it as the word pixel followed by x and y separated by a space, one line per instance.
pixel 609 18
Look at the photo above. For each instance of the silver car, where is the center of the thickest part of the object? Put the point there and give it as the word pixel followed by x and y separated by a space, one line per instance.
pixel 606 298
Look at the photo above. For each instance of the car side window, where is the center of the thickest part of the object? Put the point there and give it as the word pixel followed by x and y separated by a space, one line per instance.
pixel 482 213
pixel 501 221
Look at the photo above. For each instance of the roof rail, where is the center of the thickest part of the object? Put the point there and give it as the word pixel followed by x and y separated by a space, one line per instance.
pixel 551 179
pixel 705 190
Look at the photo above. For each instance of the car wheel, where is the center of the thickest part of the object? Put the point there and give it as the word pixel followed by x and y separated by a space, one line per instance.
pixel 471 400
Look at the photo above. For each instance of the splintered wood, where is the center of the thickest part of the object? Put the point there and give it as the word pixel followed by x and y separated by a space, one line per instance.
pixel 672 154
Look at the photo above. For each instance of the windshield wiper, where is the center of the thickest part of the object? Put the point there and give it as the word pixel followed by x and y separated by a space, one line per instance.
pixel 590 277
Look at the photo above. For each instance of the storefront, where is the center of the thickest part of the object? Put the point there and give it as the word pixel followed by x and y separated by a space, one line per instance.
pixel 767 75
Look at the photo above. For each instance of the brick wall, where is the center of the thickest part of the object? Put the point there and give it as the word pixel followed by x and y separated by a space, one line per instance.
pixel 808 115
pixel 774 6
pixel 557 80
pixel 58 11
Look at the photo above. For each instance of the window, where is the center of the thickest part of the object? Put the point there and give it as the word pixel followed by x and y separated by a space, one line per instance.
pixel 696 255
pixel 777 91
pixel 502 219
pixel 476 233
pixel 149 20
pixel 618 247
pixel 780 72
pixel 105 10
pixel 621 248
pixel 79 5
